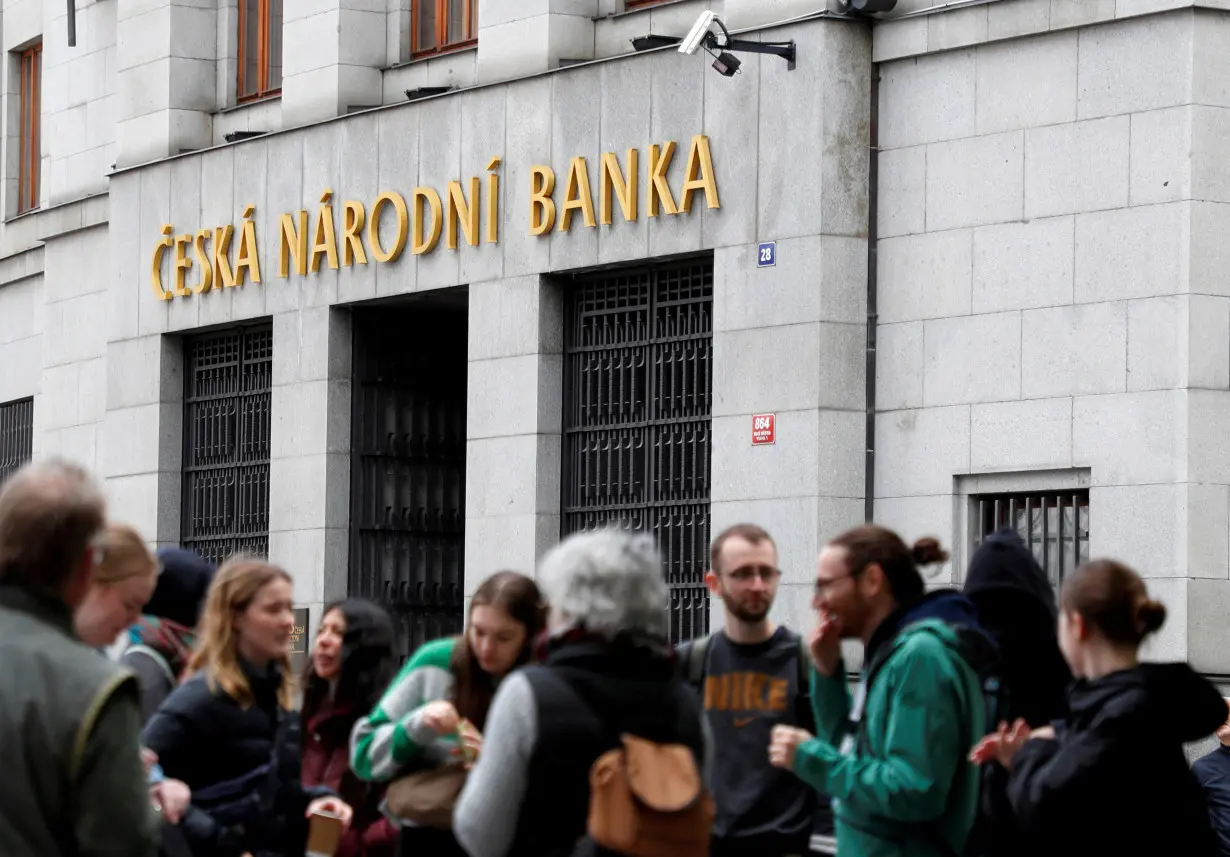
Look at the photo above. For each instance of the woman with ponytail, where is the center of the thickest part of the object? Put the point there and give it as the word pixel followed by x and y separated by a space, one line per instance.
pixel 1112 777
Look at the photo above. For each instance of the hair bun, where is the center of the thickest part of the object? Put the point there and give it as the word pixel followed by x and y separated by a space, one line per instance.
pixel 927 551
pixel 1150 616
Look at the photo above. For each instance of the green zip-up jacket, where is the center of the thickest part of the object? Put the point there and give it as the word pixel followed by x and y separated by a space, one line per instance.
pixel 392 738
pixel 905 789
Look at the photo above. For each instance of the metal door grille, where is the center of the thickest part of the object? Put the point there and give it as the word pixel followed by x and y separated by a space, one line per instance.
pixel 16 435
pixel 1054 525
pixel 638 393
pixel 227 427
pixel 408 470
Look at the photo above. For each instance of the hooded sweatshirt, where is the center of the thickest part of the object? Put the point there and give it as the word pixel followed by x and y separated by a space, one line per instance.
pixel 894 759
pixel 1016 605
pixel 1116 780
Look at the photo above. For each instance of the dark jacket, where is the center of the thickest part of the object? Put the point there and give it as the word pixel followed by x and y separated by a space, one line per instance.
pixel 1016 605
pixel 1213 773
pixel 587 693
pixel 205 739
pixel 326 762
pixel 72 783
pixel 1116 781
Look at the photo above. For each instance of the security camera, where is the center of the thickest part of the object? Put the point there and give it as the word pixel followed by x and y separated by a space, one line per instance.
pixel 699 34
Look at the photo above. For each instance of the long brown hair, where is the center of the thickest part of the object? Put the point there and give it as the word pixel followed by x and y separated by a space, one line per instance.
pixel 518 596
pixel 233 590
pixel 1112 598
pixel 874 544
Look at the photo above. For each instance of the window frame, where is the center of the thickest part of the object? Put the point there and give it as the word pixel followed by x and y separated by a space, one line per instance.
pixel 262 89
pixel 469 7
pixel 1003 508
pixel 29 172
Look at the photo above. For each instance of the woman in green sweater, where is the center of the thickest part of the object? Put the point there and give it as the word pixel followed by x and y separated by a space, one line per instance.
pixel 444 690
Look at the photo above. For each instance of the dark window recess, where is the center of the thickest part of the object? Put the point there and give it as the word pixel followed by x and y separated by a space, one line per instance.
pixel 408 469
pixel 16 436
pixel 638 393
pixel 1054 524
pixel 227 404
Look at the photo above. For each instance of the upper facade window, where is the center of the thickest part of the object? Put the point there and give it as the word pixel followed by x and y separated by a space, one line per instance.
pixel 260 48
pixel 31 117
pixel 443 25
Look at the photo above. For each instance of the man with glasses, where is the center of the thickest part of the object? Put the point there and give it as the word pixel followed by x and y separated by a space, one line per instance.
pixel 752 676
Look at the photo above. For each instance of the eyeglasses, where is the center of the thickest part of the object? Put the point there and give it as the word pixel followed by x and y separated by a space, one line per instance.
pixel 821 586
pixel 747 574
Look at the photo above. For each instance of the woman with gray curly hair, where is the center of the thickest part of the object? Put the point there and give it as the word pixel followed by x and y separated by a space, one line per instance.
pixel 606 670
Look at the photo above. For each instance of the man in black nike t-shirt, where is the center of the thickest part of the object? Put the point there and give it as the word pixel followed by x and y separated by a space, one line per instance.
pixel 752 676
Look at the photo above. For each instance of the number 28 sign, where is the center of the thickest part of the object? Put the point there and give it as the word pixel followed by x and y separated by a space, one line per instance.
pixel 764 429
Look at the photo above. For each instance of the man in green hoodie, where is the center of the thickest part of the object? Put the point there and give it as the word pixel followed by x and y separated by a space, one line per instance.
pixel 894 756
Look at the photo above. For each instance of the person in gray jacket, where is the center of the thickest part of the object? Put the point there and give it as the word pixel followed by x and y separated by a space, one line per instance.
pixel 71 720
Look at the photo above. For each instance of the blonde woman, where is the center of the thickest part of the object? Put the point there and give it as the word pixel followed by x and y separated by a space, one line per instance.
pixel 228 730
pixel 123 582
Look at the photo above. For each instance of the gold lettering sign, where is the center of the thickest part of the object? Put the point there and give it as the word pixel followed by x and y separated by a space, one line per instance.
pixel 227 256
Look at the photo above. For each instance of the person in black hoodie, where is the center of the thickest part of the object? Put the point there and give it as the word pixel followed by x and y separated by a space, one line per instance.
pixel 608 670
pixel 1016 605
pixel 1112 778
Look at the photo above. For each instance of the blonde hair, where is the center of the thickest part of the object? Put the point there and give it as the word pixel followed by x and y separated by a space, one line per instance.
pixel 124 556
pixel 233 590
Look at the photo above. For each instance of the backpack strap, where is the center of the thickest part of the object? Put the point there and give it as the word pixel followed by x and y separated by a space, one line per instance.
pixel 803 714
pixel 156 657
pixel 695 656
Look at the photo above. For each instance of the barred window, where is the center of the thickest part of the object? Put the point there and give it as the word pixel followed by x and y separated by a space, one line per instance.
pixel 638 395
pixel 1053 524
pixel 16 435
pixel 227 428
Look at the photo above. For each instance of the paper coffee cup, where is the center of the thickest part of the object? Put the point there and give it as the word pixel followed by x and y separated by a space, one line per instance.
pixel 324 834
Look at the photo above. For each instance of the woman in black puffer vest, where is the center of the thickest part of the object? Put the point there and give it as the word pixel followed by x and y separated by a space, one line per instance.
pixel 229 732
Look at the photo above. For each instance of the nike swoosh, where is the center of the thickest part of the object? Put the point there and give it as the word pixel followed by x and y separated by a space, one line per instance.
pixel 740 722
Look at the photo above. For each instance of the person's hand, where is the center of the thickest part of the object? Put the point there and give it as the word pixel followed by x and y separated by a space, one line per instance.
pixel 332 806
pixel 1043 733
pixel 171 797
pixel 783 742
pixel 148 759
pixel 826 645
pixel 441 717
pixel 471 742
pixel 1003 745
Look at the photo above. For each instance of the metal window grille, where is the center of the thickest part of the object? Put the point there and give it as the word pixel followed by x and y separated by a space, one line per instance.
pixel 638 394
pixel 1054 525
pixel 16 435
pixel 408 470
pixel 227 428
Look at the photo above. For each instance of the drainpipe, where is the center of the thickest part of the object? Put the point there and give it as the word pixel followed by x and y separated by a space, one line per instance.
pixel 873 205
pixel 72 23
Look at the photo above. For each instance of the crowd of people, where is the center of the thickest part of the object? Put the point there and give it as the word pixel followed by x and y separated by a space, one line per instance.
pixel 151 707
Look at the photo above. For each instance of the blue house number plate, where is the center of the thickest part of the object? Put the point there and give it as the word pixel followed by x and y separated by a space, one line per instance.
pixel 767 257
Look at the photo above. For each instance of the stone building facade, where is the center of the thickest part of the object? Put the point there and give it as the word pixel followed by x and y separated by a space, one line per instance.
pixel 1007 216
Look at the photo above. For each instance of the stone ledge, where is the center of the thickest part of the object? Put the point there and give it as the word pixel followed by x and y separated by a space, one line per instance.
pixel 21 265
pixel 928 31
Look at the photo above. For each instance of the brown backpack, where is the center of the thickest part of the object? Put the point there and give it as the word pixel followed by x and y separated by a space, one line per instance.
pixel 648 800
